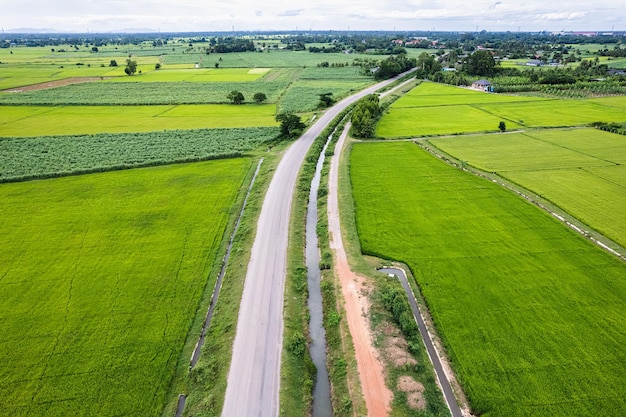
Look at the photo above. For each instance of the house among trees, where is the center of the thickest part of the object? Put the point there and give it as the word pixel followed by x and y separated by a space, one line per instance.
pixel 482 85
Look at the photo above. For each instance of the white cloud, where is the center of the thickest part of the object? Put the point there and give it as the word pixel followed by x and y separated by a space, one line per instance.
pixel 199 15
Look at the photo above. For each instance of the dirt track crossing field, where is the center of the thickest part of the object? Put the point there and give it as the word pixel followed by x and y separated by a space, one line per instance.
pixel 54 84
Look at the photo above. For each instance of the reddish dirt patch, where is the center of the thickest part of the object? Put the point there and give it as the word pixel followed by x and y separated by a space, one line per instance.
pixel 371 372
pixel 54 84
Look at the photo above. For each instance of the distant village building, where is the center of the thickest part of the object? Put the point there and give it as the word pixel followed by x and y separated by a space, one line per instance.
pixel 482 85
pixel 534 63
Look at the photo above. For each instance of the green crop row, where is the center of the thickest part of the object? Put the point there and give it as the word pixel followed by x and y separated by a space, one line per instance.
pixel 74 120
pixel 52 156
pixel 127 93
pixel 102 276
pixel 530 312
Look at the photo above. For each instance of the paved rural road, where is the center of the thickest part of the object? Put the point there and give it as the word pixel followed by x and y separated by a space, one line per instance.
pixel 254 376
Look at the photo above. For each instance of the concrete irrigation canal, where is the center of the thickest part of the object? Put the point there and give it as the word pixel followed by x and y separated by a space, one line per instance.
pixel 321 394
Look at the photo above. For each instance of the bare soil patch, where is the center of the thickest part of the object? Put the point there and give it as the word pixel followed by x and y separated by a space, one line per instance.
pixel 54 84
pixel 414 390
pixel 397 351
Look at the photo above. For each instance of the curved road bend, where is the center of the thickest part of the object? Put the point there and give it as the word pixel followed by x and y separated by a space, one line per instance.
pixel 254 375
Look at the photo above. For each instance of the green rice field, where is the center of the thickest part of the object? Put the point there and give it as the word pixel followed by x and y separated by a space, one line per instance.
pixel 580 170
pixel 101 277
pixel 65 120
pixel 436 109
pixel 531 314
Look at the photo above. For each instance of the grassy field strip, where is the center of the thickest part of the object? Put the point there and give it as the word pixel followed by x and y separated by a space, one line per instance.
pixel 557 113
pixel 581 170
pixel 22 121
pixel 437 109
pixel 103 274
pixel 437 120
pixel 126 92
pixel 19 75
pixel 196 75
pixel 529 311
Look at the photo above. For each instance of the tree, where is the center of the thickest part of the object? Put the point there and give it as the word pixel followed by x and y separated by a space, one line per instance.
pixel 157 66
pixel 290 124
pixel 480 63
pixel 236 97
pixel 131 67
pixel 364 116
pixel 326 100
pixel 113 63
pixel 259 98
pixel 427 66
pixel 502 126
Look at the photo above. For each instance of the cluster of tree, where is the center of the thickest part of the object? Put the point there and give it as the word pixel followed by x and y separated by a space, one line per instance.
pixel 394 65
pixel 481 63
pixel 326 50
pixel 237 97
pixel 291 125
pixel 427 66
pixel 364 116
pixel 386 68
pixel 619 128
pixel 230 44
pixel 616 52
pixel 326 100
pixel 325 64
pixel 131 67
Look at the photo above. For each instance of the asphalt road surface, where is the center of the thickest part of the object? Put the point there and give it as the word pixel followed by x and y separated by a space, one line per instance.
pixel 254 375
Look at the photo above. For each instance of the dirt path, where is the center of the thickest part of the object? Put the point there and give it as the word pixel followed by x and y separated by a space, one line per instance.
pixel 53 84
pixel 377 396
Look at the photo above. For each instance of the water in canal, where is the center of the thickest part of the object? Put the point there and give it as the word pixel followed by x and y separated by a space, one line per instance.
pixel 321 394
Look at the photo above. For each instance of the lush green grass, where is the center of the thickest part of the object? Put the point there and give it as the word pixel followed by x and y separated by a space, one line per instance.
pixel 144 93
pixel 20 74
pixel 304 95
pixel 531 313
pixel 557 113
pixel 67 120
pixel 432 94
pixel 50 156
pixel 436 109
pixel 579 170
pixel 197 75
pixel 437 120
pixel 103 274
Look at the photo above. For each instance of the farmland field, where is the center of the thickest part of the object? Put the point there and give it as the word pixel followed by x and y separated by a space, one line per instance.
pixel 579 170
pixel 103 274
pixel 531 313
pixel 51 156
pixel 434 109
pixel 437 120
pixel 65 120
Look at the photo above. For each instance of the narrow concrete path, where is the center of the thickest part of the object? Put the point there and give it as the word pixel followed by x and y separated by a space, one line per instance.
pixel 440 373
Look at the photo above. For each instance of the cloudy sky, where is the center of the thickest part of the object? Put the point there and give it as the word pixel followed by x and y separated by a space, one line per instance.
pixel 207 15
